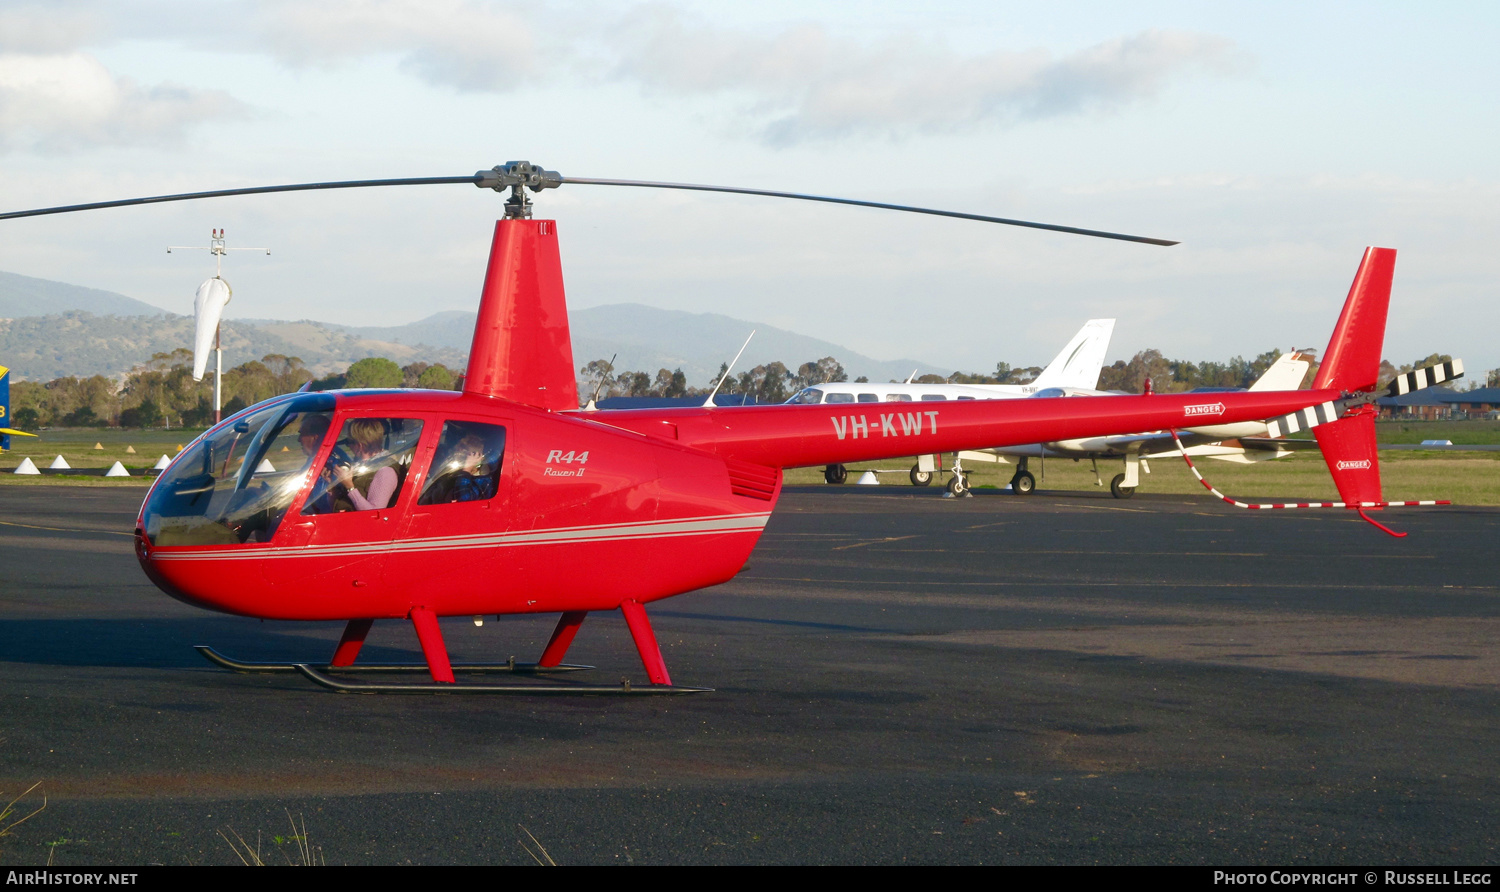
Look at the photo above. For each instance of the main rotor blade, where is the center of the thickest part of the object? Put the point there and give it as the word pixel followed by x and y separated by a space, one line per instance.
pixel 471 179
pixel 873 204
pixel 518 174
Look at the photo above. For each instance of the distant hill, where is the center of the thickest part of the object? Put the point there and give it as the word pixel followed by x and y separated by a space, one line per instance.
pixel 648 339
pixel 40 348
pixel 84 331
pixel 25 296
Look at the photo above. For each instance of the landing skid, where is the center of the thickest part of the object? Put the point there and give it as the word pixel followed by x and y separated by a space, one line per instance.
pixel 624 688
pixel 511 665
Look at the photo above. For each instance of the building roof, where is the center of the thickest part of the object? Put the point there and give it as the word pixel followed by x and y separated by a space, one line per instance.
pixel 1431 396
pixel 1482 395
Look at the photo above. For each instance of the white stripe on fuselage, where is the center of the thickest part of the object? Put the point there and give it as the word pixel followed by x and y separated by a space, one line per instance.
pixel 699 526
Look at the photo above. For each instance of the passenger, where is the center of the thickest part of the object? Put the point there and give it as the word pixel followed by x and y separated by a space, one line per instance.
pixel 369 440
pixel 465 483
pixel 468 484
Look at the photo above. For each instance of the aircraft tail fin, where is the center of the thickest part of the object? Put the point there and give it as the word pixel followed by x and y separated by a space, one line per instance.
pixel 1348 447
pixel 1286 373
pixel 1352 361
pixel 1079 362
pixel 5 431
pixel 1352 364
pixel 523 348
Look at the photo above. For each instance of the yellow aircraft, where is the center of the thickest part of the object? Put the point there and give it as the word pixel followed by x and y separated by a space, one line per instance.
pixel 7 432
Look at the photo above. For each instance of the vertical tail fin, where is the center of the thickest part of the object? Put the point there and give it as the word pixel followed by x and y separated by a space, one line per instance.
pixel 1352 361
pixel 1352 364
pixel 1349 449
pixel 1286 373
pixel 4 406
pixel 1079 362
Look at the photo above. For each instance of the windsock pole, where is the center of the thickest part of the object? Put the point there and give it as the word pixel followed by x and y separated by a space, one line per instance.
pixel 218 377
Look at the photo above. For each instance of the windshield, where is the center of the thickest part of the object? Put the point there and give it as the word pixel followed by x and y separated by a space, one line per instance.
pixel 234 484
pixel 808 396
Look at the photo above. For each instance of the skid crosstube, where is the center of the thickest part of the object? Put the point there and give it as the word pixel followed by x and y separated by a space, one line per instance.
pixel 234 665
pixel 623 689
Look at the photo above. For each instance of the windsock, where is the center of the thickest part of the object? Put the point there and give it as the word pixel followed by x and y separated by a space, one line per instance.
pixel 208 307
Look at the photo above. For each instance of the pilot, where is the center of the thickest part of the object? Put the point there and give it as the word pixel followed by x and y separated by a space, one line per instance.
pixel 310 434
pixel 368 435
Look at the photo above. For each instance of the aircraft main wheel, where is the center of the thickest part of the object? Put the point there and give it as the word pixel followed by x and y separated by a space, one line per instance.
pixel 1119 491
pixel 1023 484
pixel 957 485
pixel 835 474
pixel 920 477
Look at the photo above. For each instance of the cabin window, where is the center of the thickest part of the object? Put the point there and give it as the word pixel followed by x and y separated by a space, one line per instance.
pixel 808 396
pixel 466 466
pixel 367 466
pixel 839 398
pixel 232 485
pixel 869 398
pixel 928 397
pixel 898 397
pixel 964 397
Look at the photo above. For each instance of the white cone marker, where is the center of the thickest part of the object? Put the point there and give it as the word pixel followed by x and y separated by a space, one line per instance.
pixel 161 463
pixel 265 467
pixel 27 466
pixel 867 479
pixel 59 464
pixel 117 470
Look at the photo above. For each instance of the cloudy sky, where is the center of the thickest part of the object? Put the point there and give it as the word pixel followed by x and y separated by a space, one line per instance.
pixel 1275 140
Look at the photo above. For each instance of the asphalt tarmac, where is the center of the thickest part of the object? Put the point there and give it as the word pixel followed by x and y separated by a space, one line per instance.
pixel 900 678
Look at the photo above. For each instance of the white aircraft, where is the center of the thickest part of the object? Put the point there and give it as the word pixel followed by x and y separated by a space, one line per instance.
pixel 1075 368
pixel 1244 443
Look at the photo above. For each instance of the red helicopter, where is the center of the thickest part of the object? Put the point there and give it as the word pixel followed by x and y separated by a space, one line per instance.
pixel 507 498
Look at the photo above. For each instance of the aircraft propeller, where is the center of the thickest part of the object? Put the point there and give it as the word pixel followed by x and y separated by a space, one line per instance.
pixel 519 176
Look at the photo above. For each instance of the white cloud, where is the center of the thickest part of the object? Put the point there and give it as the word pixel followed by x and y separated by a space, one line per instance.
pixel 463 44
pixel 50 28
pixel 64 102
pixel 802 84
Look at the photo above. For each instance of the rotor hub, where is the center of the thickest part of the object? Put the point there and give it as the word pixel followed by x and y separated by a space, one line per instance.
pixel 517 176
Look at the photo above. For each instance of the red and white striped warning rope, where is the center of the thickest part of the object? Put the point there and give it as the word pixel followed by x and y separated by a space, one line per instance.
pixel 1356 506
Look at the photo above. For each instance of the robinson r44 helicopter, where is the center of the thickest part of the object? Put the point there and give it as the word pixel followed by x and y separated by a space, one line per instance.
pixel 505 498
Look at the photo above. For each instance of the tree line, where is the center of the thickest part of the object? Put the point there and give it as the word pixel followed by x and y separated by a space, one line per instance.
pixel 162 392
pixel 769 383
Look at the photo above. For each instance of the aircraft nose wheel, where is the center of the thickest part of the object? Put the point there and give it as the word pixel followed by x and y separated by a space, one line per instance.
pixel 835 474
pixel 1023 484
pixel 958 485
pixel 920 477
pixel 1118 490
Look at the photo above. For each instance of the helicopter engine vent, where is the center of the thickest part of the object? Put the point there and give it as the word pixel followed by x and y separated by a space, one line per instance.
pixel 752 481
